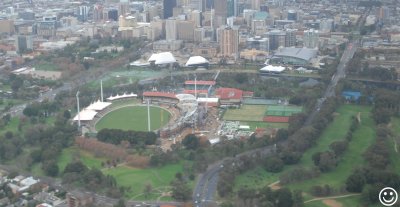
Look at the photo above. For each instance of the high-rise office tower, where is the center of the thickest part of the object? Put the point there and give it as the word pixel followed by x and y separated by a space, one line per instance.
pixel 97 13
pixel 171 29
pixel 198 5
pixel 232 8
pixel 292 15
pixel 168 7
pixel 277 38
pixel 221 12
pixel 123 8
pixel 255 4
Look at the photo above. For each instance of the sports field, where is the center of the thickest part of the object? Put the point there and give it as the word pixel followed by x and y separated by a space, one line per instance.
pixel 282 110
pixel 246 113
pixel 134 118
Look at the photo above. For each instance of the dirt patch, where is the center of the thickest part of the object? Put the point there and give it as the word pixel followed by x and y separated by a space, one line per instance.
pixel 336 114
pixel 359 117
pixel 275 186
pixel 332 203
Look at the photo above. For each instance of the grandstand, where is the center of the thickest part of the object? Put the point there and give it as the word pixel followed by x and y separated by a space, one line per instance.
pixel 160 97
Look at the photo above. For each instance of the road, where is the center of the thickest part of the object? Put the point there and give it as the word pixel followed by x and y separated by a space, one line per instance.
pixel 347 55
pixel 206 186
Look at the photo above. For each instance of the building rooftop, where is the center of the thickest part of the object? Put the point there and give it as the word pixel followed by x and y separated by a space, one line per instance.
pixel 199 82
pixel 162 58
pixel 196 60
pixel 159 94
pixel 300 53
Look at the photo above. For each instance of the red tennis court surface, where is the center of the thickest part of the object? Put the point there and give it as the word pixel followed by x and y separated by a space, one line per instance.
pixel 276 119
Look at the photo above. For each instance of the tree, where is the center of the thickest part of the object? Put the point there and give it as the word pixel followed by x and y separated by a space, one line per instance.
pixel 147 190
pixel 50 168
pixel 381 115
pixel 191 142
pixel 339 147
pixel 283 198
pixel 355 182
pixel 327 161
pixel 370 193
pixel 290 157
pixel 75 167
pixel 67 114
pixel 273 164
pixel 298 198
pixel 121 203
pixel 282 134
pixel 181 191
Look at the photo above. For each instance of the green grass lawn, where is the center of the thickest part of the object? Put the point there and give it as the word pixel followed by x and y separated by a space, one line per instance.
pixel 12 125
pixel 337 130
pixel 73 153
pixel 134 118
pixel 46 66
pixel 246 113
pixel 351 159
pixel 395 142
pixel 255 178
pixel 137 179
pixel 353 201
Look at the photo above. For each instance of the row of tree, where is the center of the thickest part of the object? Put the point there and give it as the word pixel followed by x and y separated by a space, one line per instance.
pixel 116 136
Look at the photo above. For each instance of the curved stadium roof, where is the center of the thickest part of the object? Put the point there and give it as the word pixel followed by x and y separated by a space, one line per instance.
pixel 301 53
pixel 196 60
pixel 162 58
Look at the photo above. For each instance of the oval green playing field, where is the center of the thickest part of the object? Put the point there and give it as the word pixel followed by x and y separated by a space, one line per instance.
pixel 134 118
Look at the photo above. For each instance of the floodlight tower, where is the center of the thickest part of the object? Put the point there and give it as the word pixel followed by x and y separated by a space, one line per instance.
pixel 79 114
pixel 195 86
pixel 101 90
pixel 148 115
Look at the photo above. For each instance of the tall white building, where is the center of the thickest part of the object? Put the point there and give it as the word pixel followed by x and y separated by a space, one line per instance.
pixel 311 38
pixel 196 18
pixel 171 29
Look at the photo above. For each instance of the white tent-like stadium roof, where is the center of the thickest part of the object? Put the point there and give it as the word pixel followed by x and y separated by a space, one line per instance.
pixel 98 105
pixel 162 58
pixel 271 68
pixel 196 60
pixel 85 115
pixel 112 98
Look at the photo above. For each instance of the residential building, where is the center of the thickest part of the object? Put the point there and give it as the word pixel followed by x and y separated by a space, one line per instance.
pixel 311 38
pixel 229 42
